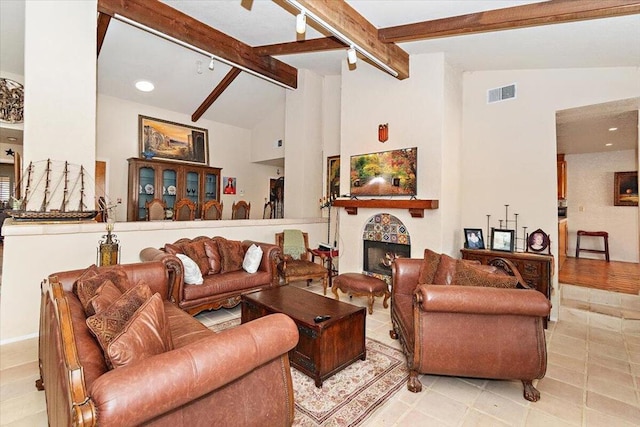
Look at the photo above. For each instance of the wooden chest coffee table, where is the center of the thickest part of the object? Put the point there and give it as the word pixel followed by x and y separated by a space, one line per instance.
pixel 324 348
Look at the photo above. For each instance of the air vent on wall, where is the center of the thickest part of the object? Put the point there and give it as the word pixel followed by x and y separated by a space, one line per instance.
pixel 501 93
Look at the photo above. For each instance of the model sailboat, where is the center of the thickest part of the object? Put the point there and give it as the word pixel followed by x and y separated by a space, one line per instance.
pixel 44 192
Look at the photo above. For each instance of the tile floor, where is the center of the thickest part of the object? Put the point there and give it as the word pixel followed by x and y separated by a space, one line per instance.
pixel 593 379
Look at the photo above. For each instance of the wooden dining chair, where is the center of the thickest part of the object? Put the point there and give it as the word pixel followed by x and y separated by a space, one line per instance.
pixel 212 209
pixel 155 210
pixel 184 210
pixel 268 211
pixel 240 210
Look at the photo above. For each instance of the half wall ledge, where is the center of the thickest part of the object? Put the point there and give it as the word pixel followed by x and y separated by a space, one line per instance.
pixel 416 207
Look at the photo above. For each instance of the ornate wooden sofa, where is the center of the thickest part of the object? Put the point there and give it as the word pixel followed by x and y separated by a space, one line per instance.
pixel 221 288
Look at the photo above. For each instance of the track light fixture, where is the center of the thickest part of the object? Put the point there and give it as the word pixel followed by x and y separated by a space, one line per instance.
pixel 340 36
pixel 351 55
pixel 301 23
pixel 211 64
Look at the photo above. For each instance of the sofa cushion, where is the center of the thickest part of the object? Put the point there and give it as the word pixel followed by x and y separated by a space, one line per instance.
pixel 231 254
pixel 213 254
pixel 87 285
pixel 470 275
pixel 429 267
pixel 252 259
pixel 105 295
pixel 446 270
pixel 195 250
pixel 192 273
pixel 107 324
pixel 145 334
pixel 172 249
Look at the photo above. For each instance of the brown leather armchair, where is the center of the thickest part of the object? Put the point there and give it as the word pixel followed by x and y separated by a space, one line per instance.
pixel 468 331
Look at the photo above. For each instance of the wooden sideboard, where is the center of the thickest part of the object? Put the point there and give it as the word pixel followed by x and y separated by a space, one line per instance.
pixel 536 269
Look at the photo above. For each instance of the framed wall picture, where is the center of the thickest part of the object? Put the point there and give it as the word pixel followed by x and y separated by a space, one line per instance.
pixel 172 141
pixel 229 184
pixel 625 190
pixel 538 241
pixel 333 177
pixel 502 240
pixel 473 238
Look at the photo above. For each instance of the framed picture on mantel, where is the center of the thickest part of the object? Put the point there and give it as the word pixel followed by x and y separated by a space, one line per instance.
pixel 502 240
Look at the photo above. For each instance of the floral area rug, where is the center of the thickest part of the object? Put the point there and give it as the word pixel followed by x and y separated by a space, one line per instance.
pixel 349 397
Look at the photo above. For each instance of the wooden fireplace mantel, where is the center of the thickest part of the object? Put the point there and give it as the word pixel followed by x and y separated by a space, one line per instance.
pixel 416 207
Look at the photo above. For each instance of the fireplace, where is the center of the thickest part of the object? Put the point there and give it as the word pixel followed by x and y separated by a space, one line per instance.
pixel 384 239
pixel 378 256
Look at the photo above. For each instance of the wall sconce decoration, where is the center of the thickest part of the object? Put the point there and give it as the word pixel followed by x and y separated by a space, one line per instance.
pixel 109 248
pixel 383 132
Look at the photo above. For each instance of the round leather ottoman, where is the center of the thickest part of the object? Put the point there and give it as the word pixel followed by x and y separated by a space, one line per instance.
pixel 361 285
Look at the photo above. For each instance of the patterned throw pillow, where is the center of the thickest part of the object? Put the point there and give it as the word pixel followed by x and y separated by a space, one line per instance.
pixel 231 254
pixel 105 295
pixel 429 267
pixel 87 285
pixel 146 334
pixel 107 324
pixel 468 275
pixel 195 251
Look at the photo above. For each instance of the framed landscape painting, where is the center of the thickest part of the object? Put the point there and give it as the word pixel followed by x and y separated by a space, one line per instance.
pixel 167 140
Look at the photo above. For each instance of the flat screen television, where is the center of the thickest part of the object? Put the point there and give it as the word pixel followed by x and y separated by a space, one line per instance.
pixel 388 173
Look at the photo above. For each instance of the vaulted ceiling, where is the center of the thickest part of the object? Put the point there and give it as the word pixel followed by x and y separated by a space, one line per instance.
pixel 259 35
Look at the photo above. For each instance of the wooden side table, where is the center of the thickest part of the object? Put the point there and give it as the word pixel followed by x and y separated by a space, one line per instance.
pixel 327 260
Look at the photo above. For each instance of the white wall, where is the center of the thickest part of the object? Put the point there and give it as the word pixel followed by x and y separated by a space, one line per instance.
pixel 303 147
pixel 267 132
pixel 60 82
pixel 415 111
pixel 590 183
pixel 229 147
pixel 509 148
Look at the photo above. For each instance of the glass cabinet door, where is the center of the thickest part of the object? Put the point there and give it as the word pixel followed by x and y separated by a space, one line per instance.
pixel 210 187
pixel 169 187
pixel 146 190
pixel 193 186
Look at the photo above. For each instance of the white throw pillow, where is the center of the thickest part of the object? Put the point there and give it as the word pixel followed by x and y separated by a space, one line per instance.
pixel 192 274
pixel 252 259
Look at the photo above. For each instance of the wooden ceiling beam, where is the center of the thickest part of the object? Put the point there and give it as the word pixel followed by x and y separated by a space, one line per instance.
pixel 103 24
pixel 221 87
pixel 304 46
pixel 163 18
pixel 349 22
pixel 535 14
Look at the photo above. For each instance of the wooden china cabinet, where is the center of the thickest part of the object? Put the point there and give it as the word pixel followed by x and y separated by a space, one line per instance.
pixel 169 181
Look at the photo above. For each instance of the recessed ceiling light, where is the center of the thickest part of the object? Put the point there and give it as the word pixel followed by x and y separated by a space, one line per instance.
pixel 612 129
pixel 144 86
pixel 608 144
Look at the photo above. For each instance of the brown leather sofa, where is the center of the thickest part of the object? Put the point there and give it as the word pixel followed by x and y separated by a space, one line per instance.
pixel 220 288
pixel 240 376
pixel 469 331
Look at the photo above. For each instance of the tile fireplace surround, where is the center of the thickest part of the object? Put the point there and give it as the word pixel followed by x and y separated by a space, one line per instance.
pixel 385 228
